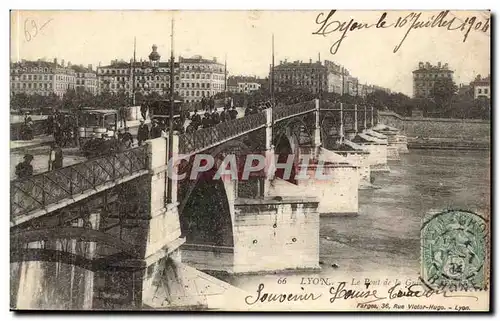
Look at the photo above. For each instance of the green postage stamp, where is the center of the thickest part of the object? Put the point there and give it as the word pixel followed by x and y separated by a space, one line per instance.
pixel 454 251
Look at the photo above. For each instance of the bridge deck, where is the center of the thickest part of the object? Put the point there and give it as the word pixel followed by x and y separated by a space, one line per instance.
pixel 39 193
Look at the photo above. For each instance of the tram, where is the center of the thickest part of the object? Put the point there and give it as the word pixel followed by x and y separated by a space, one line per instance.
pixel 94 123
pixel 160 110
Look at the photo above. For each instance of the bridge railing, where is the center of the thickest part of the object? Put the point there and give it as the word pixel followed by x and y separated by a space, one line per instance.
pixel 38 191
pixel 207 137
pixel 283 112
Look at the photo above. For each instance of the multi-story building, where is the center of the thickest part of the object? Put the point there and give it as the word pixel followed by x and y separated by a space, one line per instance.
pixel 426 75
pixel 311 76
pixel 122 77
pixel 482 87
pixel 86 79
pixel 247 87
pixel 41 77
pixel 194 77
pixel 340 81
pixel 201 78
pixel 336 77
pixel 242 84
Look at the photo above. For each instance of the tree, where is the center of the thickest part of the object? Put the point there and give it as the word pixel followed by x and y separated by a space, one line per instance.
pixel 442 92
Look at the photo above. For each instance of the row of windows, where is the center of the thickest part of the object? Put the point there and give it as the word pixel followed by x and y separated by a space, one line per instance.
pixel 31 85
pixel 482 91
pixel 85 75
pixel 33 69
pixel 87 83
pixel 297 76
pixel 183 76
pixel 183 67
pixel 33 77
pixel 202 67
pixel 196 85
pixel 301 70
pixel 202 76
pixel 248 85
pixel 432 76
pixel 302 83
pixel 138 85
pixel 197 93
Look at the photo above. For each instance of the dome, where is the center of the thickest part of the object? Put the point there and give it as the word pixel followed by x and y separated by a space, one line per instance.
pixel 154 55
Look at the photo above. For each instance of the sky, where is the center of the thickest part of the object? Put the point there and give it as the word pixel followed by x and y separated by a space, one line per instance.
pixel 244 37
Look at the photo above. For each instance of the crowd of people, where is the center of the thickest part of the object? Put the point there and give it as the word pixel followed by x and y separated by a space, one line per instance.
pixel 64 128
pixel 65 131
pixel 27 128
pixel 211 118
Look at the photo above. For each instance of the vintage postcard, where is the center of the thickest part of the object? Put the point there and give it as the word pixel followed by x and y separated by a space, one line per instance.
pixel 322 160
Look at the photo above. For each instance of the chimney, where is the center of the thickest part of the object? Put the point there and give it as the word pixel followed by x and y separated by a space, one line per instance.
pixel 215 59
pixel 439 64
pixel 310 61
pixel 69 63
pixel 62 62
pixel 281 62
pixel 90 67
pixel 55 61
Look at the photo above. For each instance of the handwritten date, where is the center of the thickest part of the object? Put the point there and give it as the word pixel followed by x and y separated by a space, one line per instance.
pixel 328 25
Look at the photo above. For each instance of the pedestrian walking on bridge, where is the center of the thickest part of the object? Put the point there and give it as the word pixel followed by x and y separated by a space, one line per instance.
pixel 142 133
pixel 25 169
pixel 55 157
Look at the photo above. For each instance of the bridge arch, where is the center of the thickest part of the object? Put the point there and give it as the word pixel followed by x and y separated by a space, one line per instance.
pixel 286 141
pixel 207 207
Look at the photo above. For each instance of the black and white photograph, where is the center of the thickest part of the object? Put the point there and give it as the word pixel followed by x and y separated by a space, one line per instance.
pixel 250 160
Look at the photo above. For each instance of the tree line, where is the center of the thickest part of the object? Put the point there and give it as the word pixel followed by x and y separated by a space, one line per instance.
pixel 445 101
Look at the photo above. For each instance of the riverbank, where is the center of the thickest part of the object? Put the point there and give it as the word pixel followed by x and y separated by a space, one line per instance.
pixel 448 144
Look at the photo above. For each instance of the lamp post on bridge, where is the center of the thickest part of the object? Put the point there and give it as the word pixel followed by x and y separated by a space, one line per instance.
pixel 356 118
pixel 364 124
pixel 341 123
pixel 372 117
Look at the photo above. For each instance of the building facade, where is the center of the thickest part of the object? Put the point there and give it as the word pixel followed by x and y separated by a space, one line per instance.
pixel 86 79
pixel 336 77
pixel 242 84
pixel 201 78
pixel 194 77
pixel 482 87
pixel 123 77
pixel 41 77
pixel 426 75
pixel 311 76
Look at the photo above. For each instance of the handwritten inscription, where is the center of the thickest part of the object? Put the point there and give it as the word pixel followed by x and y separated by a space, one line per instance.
pixel 414 20
pixel 365 297
pixel 32 29
pixel 279 297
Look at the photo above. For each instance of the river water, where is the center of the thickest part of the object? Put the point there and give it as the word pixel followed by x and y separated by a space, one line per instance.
pixel 385 236
pixel 384 239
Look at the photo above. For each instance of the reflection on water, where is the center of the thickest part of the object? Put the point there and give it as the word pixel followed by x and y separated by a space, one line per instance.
pixel 385 236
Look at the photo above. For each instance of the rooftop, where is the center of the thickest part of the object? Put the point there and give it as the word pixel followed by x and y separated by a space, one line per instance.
pixel 38 63
pixel 425 67
pixel 299 64
pixel 199 59
pixel 481 81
